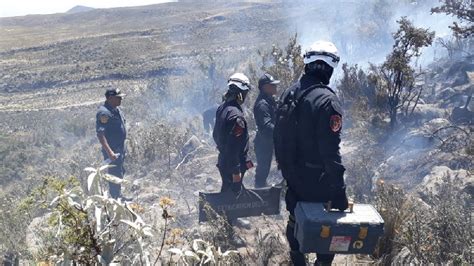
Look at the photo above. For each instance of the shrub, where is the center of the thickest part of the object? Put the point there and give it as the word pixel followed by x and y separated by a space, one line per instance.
pixel 395 78
pixel 89 227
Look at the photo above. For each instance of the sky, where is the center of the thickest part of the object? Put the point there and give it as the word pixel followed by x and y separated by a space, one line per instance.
pixel 10 8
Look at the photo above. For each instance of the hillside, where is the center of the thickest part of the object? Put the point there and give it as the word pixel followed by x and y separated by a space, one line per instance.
pixel 78 9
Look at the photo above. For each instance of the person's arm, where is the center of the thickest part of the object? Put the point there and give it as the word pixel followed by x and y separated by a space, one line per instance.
pixel 105 145
pixel 233 147
pixel 235 139
pixel 329 138
pixel 102 121
pixel 263 119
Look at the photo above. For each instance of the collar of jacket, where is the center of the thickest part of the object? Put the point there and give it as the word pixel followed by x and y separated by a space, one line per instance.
pixel 108 106
pixel 268 98
pixel 234 103
pixel 308 80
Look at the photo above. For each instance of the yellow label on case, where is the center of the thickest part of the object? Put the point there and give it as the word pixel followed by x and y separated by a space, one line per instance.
pixel 363 232
pixel 325 231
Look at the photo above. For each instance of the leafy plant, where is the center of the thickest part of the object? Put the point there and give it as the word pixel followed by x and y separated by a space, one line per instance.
pixel 203 253
pixel 461 9
pixel 285 64
pixel 89 227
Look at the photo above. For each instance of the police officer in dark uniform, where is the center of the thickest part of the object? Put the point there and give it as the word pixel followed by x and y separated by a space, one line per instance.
pixel 111 132
pixel 319 171
pixel 264 113
pixel 231 134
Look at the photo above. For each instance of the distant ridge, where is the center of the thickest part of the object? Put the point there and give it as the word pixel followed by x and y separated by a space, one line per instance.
pixel 78 9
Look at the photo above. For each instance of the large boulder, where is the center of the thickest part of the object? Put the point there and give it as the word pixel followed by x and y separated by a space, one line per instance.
pixel 426 112
pixel 462 115
pixel 421 137
pixel 439 175
pixel 457 73
pixel 191 145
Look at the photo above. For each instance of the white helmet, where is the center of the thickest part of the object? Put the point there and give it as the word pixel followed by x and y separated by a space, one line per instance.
pixel 322 50
pixel 239 80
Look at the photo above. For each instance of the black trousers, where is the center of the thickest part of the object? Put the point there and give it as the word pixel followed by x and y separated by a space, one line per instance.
pixel 297 258
pixel 264 154
pixel 227 181
pixel 229 185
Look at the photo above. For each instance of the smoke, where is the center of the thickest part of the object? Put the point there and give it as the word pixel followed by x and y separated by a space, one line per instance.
pixel 362 30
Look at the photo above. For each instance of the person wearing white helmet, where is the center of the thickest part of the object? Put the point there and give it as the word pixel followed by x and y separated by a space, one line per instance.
pixel 307 146
pixel 231 135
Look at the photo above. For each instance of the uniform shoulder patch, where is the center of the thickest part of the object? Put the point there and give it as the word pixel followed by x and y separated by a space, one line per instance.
pixel 104 119
pixel 239 127
pixel 335 122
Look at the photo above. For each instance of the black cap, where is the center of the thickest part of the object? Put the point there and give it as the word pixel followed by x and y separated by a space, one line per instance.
pixel 267 79
pixel 114 92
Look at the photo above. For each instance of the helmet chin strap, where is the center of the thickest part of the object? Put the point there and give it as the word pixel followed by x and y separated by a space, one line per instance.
pixel 240 98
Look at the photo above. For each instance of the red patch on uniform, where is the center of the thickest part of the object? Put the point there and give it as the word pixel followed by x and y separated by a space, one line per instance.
pixel 238 130
pixel 335 122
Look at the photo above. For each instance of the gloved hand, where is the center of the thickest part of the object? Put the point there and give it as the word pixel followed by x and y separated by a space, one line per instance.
pixel 339 200
pixel 244 166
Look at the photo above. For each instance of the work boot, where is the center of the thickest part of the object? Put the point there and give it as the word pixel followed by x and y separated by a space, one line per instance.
pixel 242 223
pixel 324 259
pixel 297 258
pixel 320 263
pixel 126 199
pixel 237 241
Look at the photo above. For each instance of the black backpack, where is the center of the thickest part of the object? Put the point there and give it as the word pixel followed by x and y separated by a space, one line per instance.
pixel 286 128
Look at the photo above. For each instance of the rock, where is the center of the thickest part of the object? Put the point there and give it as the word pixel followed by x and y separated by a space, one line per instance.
pixel 191 145
pixel 421 137
pixel 436 123
pixel 209 188
pixel 461 115
pixel 201 176
pixel 445 93
pixel 405 257
pixel 435 178
pixel 35 232
pixel 426 112
pixel 149 197
pixel 457 72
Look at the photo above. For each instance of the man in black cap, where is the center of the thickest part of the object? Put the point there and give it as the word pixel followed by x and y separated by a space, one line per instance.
pixel 264 113
pixel 111 132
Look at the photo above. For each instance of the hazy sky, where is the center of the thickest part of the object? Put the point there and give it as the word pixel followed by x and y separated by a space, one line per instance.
pixel 9 8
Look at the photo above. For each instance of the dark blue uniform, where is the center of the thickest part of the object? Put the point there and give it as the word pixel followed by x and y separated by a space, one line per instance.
pixel 319 174
pixel 264 113
pixel 111 122
pixel 231 137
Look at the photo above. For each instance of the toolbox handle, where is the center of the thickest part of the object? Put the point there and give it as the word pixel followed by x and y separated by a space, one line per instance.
pixel 330 209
